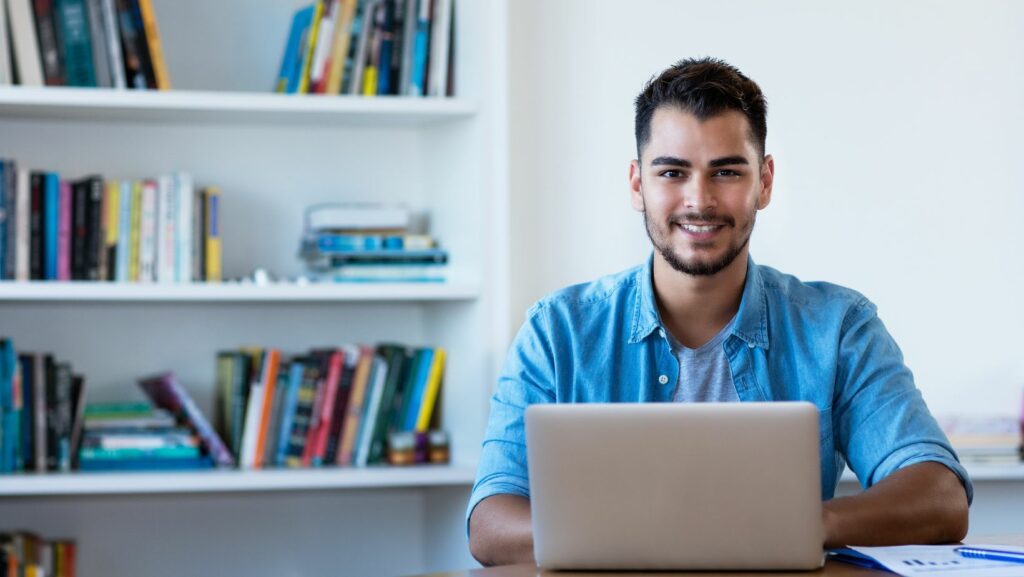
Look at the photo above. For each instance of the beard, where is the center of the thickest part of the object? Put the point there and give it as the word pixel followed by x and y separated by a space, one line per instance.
pixel 697 266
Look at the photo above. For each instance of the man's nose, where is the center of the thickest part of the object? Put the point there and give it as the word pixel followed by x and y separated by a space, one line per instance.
pixel 699 195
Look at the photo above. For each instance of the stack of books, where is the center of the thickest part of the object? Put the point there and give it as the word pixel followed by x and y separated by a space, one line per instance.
pixel 326 407
pixel 370 48
pixel 41 407
pixel 136 436
pixel 27 554
pixel 369 242
pixel 159 229
pixel 91 43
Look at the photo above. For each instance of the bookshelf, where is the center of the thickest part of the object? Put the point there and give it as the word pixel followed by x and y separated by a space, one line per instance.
pixel 271 155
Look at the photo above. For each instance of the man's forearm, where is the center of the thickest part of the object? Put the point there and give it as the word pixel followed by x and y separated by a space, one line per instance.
pixel 921 504
pixel 500 531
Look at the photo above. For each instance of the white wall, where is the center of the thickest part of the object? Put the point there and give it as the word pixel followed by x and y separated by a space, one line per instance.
pixel 896 129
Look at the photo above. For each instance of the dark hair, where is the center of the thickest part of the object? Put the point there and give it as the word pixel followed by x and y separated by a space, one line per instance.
pixel 704 87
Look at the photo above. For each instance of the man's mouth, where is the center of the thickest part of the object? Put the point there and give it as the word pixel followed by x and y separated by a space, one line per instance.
pixel 700 232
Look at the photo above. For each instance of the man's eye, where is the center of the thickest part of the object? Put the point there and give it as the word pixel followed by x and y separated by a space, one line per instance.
pixel 672 173
pixel 727 172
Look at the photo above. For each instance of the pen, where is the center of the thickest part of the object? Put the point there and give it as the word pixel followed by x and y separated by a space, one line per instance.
pixel 990 554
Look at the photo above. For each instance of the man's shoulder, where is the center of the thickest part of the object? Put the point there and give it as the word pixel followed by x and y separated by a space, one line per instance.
pixel 786 290
pixel 607 290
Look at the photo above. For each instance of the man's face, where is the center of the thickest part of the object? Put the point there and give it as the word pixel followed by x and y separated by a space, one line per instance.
pixel 699 185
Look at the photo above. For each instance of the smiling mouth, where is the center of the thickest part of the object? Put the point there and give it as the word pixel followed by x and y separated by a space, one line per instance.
pixel 701 228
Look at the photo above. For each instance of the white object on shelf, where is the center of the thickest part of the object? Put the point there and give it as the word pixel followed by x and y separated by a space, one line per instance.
pixel 212 481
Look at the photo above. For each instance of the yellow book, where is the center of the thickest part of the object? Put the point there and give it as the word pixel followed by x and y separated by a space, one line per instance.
pixel 339 50
pixel 307 60
pixel 156 50
pixel 370 81
pixel 212 233
pixel 133 238
pixel 431 392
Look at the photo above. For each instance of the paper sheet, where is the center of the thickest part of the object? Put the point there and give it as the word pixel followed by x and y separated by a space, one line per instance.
pixel 940 560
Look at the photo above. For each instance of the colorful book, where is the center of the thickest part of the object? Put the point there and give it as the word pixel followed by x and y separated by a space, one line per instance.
pixel 166 392
pixel 350 356
pixel 268 387
pixel 51 217
pixel 432 391
pixel 310 46
pixel 212 230
pixel 397 359
pixel 375 395
pixel 98 38
pixel 154 45
pixel 357 400
pixel 49 46
pixel 112 229
pixel 72 21
pixel 332 380
pixel 421 48
pixel 295 373
pixel 112 46
pixel 340 47
pixel 64 232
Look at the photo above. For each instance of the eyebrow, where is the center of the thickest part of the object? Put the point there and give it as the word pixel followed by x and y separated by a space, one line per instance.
pixel 716 163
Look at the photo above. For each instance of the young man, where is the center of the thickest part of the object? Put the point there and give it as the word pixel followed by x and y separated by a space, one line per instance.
pixel 701 322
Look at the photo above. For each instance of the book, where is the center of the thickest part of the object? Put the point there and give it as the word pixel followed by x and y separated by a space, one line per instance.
pixel 51 225
pixel 322 51
pixel 375 395
pixel 98 38
pixel 185 231
pixel 49 49
pixel 134 234
pixel 93 231
pixel 307 50
pixel 25 44
pixel 142 43
pixel 147 231
pixel 350 360
pixel 287 76
pixel 340 47
pixel 332 378
pixel 302 419
pixel 166 392
pixel 72 25
pixel 10 201
pixel 398 366
pixel 250 431
pixel 421 47
pixel 432 391
pixel 23 212
pixel 162 80
pixel 439 38
pixel 37 235
pixel 356 216
pixel 131 45
pixel 357 400
pixel 111 230
pixel 268 387
pixel 64 232
pixel 211 227
pixel 362 35
pixel 112 45
pixel 290 400
pixel 410 22
pixel 376 31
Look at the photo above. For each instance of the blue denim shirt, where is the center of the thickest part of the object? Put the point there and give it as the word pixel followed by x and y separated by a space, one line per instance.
pixel 604 342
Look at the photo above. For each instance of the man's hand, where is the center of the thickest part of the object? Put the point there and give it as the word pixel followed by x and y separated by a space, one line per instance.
pixel 924 503
pixel 500 532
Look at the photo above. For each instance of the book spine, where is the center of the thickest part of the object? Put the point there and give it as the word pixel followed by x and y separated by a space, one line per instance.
pixel 417 83
pixel 39 419
pixel 268 380
pixel 36 233
pixel 369 424
pixel 339 49
pixel 318 69
pixel 250 433
pixel 11 192
pixel 135 75
pixel 23 212
pixel 432 391
pixel 166 240
pixel 46 32
pixel 331 381
pixel 185 230
pixel 147 232
pixel 373 61
pixel 112 225
pixel 295 372
pixel 102 231
pixel 6 74
pixel 362 49
pixel 310 47
pixel 94 232
pixel 156 50
pixel 112 47
pixel 72 22
pixel 64 232
pixel 25 42
pixel 213 242
pixel 98 34
pixel 440 36
pixel 142 43
pixel 135 236
pixel 51 216
pixel 408 46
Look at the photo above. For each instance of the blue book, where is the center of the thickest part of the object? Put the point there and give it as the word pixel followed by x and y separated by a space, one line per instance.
pixel 300 23
pixel 147 464
pixel 425 358
pixel 386 46
pixel 291 398
pixel 417 86
pixel 73 32
pixel 304 20
pixel 51 224
pixel 7 438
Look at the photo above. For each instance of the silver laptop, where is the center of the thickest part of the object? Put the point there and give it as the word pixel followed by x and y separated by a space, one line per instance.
pixel 729 486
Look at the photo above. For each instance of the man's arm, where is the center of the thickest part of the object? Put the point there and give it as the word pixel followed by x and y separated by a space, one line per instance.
pixel 922 504
pixel 500 532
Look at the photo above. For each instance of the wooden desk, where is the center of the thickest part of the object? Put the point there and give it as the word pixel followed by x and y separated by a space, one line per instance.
pixel 831 568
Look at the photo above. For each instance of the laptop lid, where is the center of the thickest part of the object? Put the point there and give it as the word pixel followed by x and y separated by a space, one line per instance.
pixel 675 486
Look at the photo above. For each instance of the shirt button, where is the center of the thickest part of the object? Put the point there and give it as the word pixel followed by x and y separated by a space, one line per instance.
pixel 663 379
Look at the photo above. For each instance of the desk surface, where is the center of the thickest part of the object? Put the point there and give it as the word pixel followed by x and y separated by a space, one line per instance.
pixel 831 568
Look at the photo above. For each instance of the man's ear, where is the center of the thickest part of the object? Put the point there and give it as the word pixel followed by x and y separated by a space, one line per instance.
pixel 767 180
pixel 636 195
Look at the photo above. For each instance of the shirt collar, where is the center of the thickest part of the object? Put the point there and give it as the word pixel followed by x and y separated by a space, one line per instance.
pixel 751 323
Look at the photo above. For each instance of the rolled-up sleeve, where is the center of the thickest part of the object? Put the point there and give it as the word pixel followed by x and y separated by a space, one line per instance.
pixel 526 378
pixel 880 418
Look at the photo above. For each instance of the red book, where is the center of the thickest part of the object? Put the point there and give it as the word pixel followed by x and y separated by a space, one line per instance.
pixel 334 364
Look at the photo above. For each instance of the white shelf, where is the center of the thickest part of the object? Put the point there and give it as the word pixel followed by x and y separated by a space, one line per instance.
pixel 235 292
pixel 101 104
pixel 104 483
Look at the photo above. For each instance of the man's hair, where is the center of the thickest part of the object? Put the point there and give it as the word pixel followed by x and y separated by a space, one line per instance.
pixel 703 87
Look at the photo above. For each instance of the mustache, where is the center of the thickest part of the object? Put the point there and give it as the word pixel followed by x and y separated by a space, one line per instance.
pixel 702 218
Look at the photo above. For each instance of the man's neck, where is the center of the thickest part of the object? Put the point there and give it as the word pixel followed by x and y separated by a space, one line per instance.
pixel 696 308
